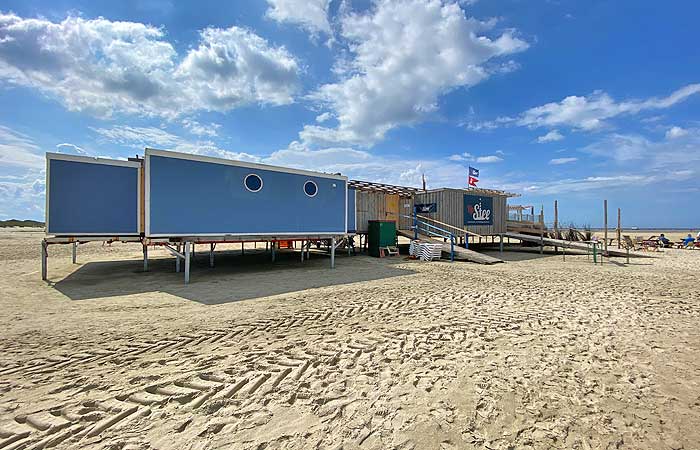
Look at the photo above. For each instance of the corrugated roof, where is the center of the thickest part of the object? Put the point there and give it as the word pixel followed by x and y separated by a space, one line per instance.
pixel 478 191
pixel 406 191
pixel 402 191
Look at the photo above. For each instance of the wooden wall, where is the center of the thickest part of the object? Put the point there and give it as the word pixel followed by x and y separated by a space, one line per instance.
pixel 373 206
pixel 450 210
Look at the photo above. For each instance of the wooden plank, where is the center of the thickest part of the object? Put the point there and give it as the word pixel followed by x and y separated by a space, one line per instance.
pixel 391 202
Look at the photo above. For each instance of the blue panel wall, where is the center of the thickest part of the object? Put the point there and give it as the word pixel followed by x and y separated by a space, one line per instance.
pixel 351 211
pixel 92 198
pixel 193 197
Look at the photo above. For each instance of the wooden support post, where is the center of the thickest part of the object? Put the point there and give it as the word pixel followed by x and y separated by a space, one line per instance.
pixel 272 246
pixel 333 252
pixel 556 222
pixel 44 259
pixel 193 252
pixel 187 262
pixel 211 255
pixel 75 252
pixel 541 220
pixel 243 248
pixel 501 244
pixel 177 258
pixel 145 258
pixel 301 251
pixel 605 244
pixel 619 228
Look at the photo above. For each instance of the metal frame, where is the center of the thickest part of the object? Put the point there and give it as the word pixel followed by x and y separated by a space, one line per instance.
pixel 93 160
pixel 189 157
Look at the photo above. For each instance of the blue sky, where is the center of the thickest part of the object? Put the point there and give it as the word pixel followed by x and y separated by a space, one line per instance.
pixel 566 100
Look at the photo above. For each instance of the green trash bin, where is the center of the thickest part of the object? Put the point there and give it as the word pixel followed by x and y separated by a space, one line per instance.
pixel 380 233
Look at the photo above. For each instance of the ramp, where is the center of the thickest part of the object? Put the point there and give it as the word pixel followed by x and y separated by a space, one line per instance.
pixel 571 244
pixel 461 253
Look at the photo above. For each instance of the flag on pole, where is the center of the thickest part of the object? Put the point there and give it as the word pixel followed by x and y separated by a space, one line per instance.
pixel 473 174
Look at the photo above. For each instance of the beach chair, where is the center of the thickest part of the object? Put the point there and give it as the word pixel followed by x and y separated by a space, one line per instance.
pixel 388 251
pixel 627 242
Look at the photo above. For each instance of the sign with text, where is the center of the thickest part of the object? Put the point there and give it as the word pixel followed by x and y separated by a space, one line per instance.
pixel 426 208
pixel 478 210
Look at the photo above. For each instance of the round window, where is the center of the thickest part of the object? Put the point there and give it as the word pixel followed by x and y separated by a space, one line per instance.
pixel 253 182
pixel 310 188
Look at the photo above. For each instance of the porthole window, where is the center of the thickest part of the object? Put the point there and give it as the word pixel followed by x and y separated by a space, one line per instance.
pixel 253 182
pixel 310 189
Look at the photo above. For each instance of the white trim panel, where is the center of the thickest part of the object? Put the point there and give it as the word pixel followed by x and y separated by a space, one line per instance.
pixel 231 162
pixel 90 159
pixel 147 193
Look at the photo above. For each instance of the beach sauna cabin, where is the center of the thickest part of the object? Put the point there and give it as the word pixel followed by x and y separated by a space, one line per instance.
pixel 177 200
pixel 481 213
pixel 95 197
pixel 203 197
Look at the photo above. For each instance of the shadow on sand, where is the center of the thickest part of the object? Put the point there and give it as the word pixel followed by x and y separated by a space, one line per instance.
pixel 235 277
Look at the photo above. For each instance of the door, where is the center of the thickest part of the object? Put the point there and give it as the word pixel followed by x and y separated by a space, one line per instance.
pixel 392 207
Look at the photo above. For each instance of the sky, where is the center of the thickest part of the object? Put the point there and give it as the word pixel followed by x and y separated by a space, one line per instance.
pixel 552 100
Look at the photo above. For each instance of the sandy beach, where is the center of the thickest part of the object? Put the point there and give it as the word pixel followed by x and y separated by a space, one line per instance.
pixel 539 352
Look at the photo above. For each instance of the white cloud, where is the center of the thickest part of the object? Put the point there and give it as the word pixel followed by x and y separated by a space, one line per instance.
pixel 631 148
pixel 199 129
pixel 552 136
pixel 324 117
pixel 402 57
pixel 139 138
pixel 468 157
pixel 591 112
pixel 312 15
pixel 23 199
pixel 676 132
pixel 19 150
pixel 560 161
pixel 462 157
pixel 104 67
pixel 363 165
pixel 607 182
pixel 489 159
pixel 233 67
pixel 70 148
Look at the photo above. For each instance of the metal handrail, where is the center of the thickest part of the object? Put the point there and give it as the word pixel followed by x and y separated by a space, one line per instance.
pixel 460 230
pixel 446 234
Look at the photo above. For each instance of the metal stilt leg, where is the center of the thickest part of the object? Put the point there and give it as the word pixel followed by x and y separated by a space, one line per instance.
pixel 145 258
pixel 187 262
pixel 333 253
pixel 44 259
